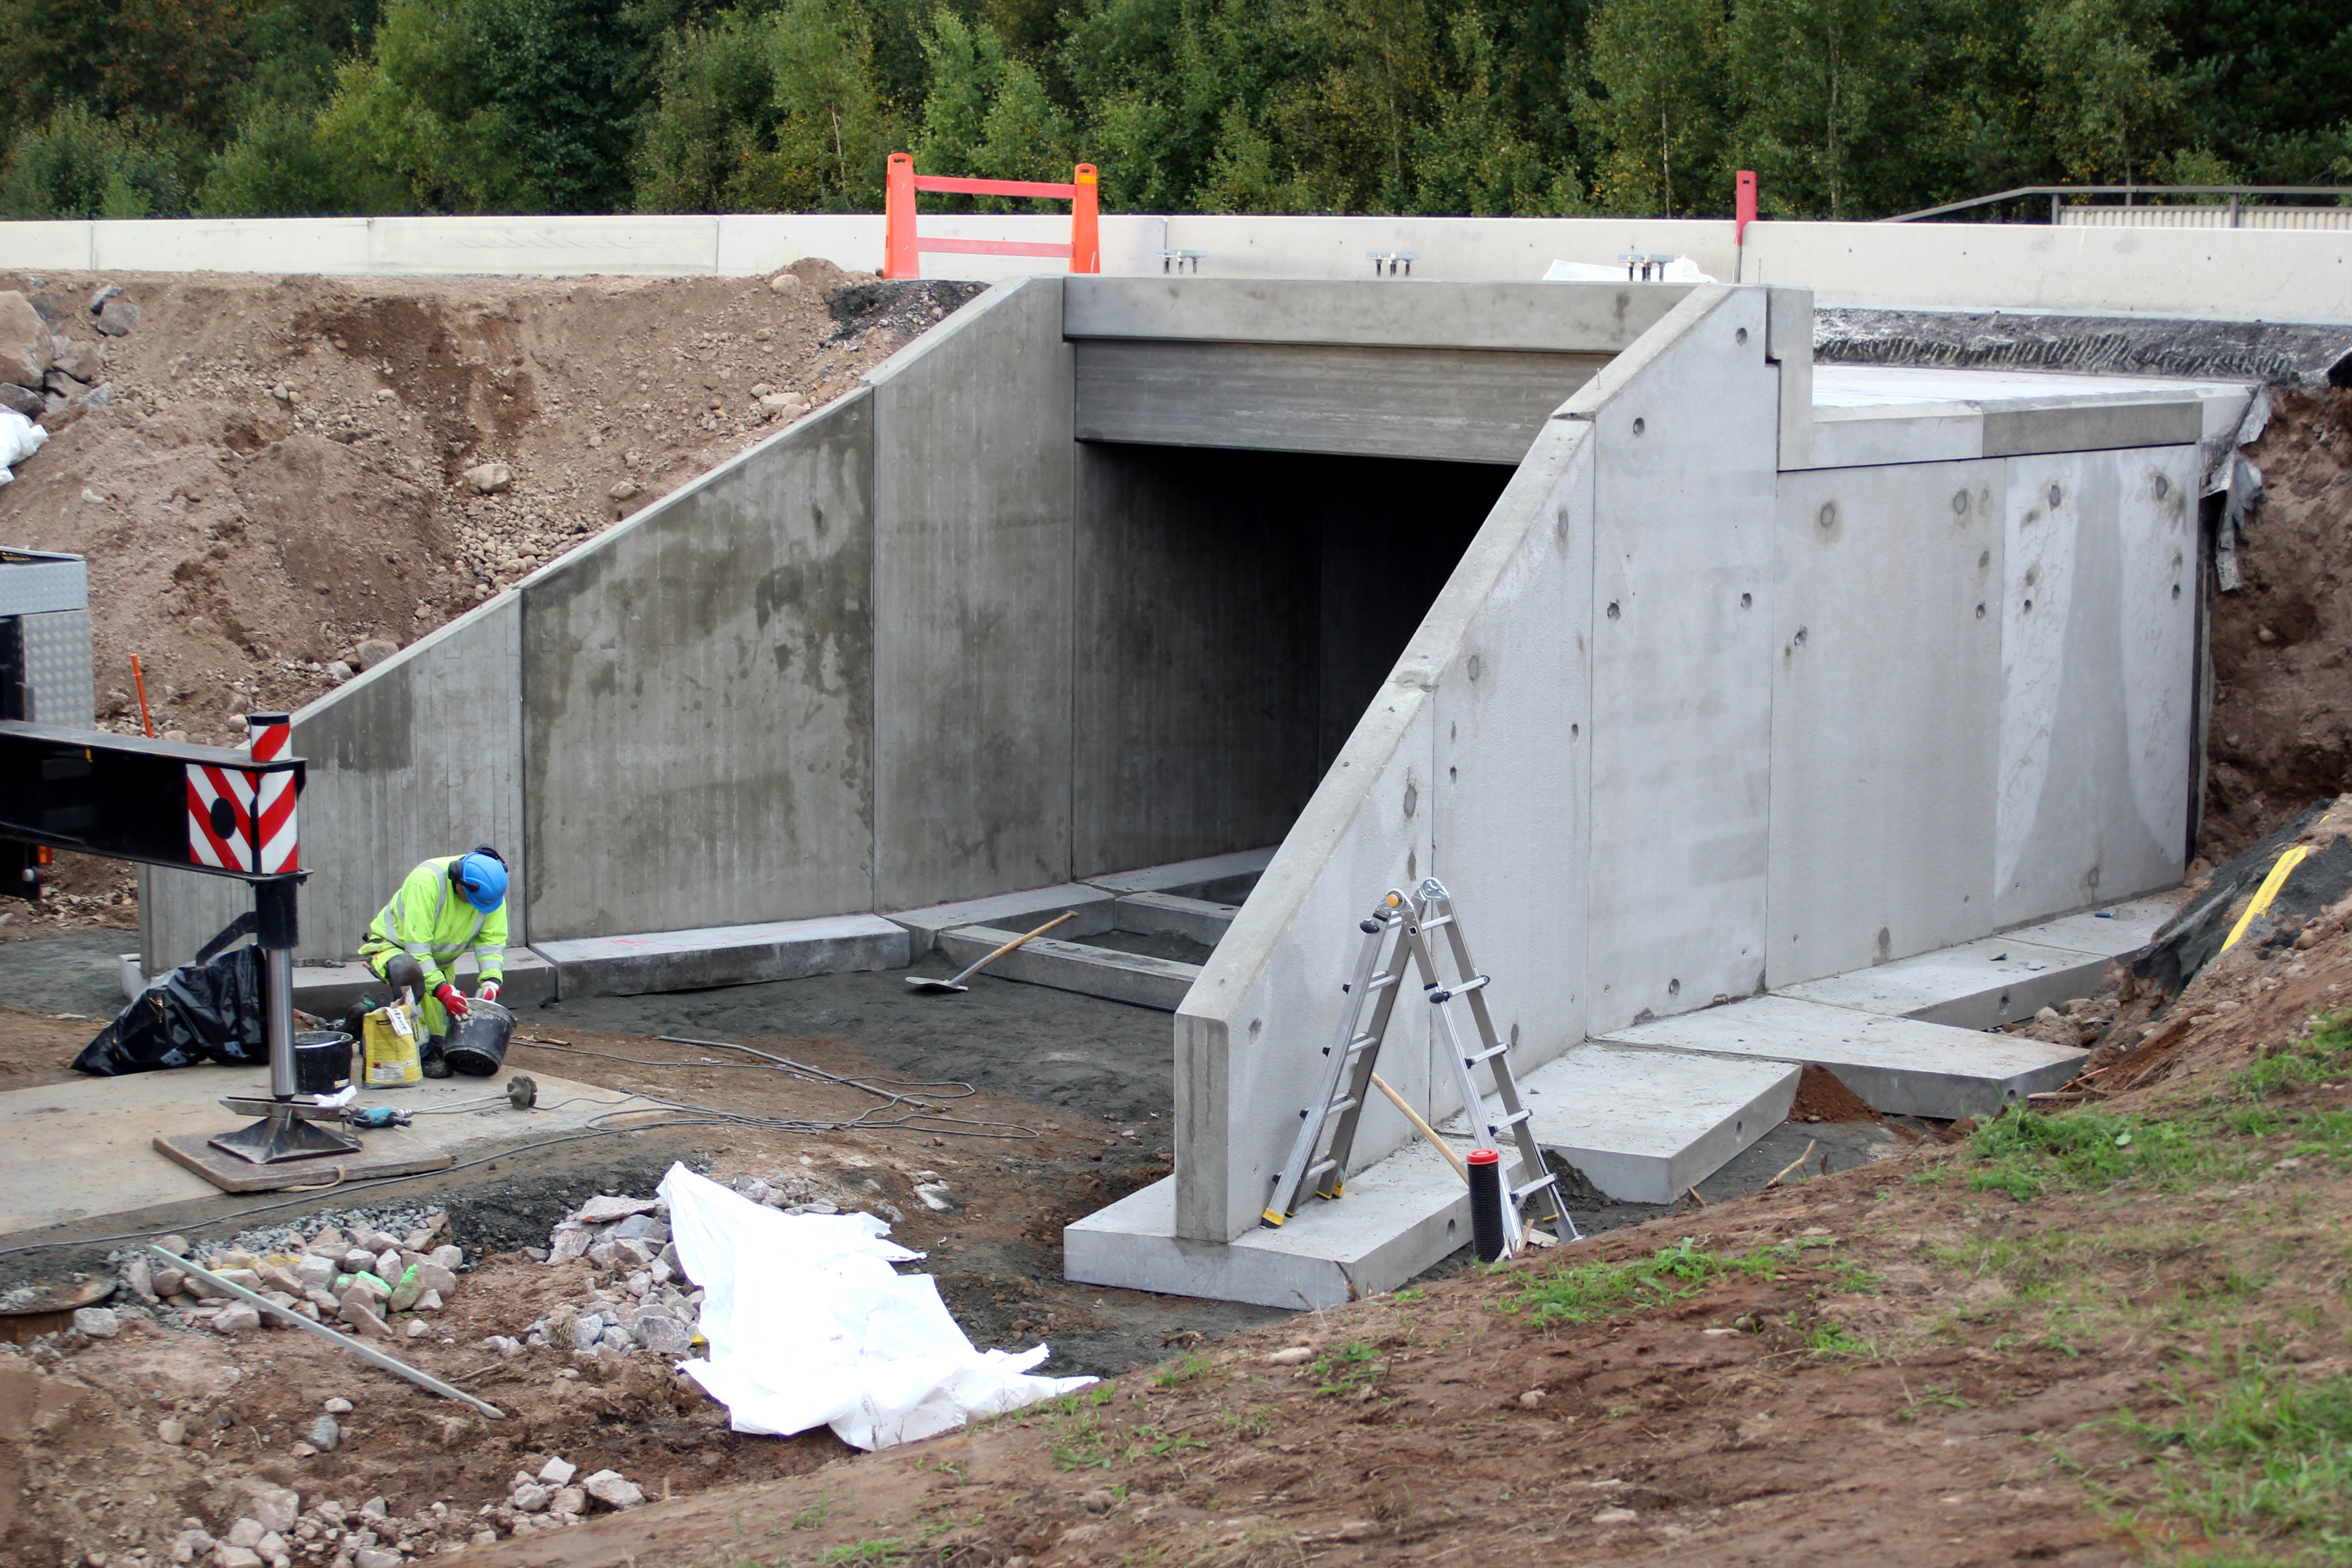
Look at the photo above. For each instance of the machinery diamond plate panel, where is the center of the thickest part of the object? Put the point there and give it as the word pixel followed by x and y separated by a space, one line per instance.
pixel 58 678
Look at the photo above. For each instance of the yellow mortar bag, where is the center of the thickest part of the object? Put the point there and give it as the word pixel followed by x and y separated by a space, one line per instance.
pixel 388 1046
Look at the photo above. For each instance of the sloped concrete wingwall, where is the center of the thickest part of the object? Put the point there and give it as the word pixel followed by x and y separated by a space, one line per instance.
pixel 1469 765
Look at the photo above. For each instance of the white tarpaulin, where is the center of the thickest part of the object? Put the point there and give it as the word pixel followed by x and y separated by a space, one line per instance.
pixel 810 1326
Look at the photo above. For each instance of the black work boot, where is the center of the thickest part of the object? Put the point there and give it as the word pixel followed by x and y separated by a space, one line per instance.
pixel 435 1061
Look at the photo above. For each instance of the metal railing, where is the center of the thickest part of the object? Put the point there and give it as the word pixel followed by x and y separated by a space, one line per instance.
pixel 2058 196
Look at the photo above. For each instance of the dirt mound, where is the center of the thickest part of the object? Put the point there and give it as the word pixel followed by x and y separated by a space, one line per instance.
pixel 2281 734
pixel 1822 1096
pixel 292 470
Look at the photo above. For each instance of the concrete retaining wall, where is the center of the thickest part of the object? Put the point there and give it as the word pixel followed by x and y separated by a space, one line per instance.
pixel 697 713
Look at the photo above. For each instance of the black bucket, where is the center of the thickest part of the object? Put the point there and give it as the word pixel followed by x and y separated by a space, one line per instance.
pixel 322 1061
pixel 477 1042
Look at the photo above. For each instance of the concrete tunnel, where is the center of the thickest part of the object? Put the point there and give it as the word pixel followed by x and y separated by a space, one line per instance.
pixel 1700 674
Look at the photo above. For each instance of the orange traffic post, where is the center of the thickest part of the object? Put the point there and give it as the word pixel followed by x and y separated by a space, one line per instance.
pixel 899 256
pixel 1743 204
pixel 1086 228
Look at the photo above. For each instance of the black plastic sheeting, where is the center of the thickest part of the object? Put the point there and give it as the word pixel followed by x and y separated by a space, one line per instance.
pixel 2192 939
pixel 207 1011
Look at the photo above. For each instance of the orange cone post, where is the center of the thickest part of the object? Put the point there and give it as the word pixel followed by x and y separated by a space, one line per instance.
pixel 903 248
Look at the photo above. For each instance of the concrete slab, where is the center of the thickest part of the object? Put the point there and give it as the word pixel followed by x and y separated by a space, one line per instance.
pixel 1017 912
pixel 1132 977
pixel 1980 985
pixel 727 955
pixel 1171 914
pixel 2112 932
pixel 1642 1125
pixel 1898 1065
pixel 79 1150
pixel 1398 1218
pixel 1221 879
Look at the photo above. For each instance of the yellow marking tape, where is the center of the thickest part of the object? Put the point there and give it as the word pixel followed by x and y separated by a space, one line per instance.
pixel 2265 893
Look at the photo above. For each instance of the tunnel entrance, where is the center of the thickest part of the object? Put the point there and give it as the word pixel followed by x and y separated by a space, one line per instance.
pixel 1237 611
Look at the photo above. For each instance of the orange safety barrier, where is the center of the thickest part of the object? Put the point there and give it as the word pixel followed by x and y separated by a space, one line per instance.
pixel 902 247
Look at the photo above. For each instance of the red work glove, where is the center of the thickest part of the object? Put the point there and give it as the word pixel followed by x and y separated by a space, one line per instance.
pixel 488 989
pixel 448 996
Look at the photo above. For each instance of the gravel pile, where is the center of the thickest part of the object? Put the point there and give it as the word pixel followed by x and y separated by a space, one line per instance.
pixel 356 1275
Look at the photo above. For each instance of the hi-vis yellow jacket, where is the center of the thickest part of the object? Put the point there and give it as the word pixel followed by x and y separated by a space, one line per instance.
pixel 430 919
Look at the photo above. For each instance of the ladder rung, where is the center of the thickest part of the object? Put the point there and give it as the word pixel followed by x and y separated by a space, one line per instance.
pixel 1315 1170
pixel 1436 921
pixel 1513 1120
pixel 1341 1106
pixel 1521 1194
pixel 1488 1055
pixel 1380 982
pixel 1441 995
pixel 1360 1041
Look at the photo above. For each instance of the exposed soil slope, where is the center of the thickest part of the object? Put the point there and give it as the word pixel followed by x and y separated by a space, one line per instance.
pixel 282 475
pixel 2281 719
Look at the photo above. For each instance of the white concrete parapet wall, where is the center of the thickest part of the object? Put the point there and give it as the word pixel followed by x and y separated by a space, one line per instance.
pixel 2235 274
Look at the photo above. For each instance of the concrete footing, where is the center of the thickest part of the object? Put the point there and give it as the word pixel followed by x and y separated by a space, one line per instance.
pixel 1898 1065
pixel 1014 911
pixel 1219 878
pixel 1645 1125
pixel 1397 1219
pixel 1132 977
pixel 332 990
pixel 1171 914
pixel 727 955
pixel 1979 984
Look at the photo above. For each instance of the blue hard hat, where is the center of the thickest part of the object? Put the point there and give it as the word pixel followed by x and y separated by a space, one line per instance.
pixel 484 880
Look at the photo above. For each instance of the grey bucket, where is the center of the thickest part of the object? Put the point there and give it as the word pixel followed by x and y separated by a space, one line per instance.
pixel 477 1042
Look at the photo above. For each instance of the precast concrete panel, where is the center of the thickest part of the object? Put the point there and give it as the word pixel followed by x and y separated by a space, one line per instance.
pixel 637 244
pixel 229 245
pixel 1466 406
pixel 1195 674
pixel 1686 427
pixel 1512 781
pixel 974 537
pixel 1885 709
pixel 1519 318
pixel 698 691
pixel 419 756
pixel 2098 622
pixel 1252 246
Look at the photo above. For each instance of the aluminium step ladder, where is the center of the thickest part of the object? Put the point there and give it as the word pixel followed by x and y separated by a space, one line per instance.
pixel 1320 1157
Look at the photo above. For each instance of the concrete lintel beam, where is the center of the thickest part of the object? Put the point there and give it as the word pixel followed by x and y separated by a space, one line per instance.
pixel 1571 318
pixel 2029 427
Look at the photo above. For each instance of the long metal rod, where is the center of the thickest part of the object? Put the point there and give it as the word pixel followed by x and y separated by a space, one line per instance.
pixel 277 992
pixel 424 1379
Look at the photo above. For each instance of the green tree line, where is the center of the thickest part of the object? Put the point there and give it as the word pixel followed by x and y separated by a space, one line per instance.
pixel 1846 108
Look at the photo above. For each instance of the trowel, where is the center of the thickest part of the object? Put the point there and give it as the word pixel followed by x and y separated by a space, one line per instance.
pixel 939 987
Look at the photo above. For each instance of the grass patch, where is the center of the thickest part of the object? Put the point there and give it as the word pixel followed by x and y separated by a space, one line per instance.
pixel 1184 1369
pixel 2029 1154
pixel 1581 1293
pixel 1346 1368
pixel 2267 1458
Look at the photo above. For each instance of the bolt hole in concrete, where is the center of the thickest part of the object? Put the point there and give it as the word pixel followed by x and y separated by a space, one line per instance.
pixel 1960 503
pixel 1613 609
pixel 1747 601
pixel 1673 987
pixel 2163 486
pixel 1740 336
pixel 2055 495
pixel 1638 426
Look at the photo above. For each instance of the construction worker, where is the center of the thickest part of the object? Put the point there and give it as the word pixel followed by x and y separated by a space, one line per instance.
pixel 448 906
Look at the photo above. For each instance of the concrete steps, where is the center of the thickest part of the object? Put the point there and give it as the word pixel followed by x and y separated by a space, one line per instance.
pixel 1645 1125
pixel 1898 1064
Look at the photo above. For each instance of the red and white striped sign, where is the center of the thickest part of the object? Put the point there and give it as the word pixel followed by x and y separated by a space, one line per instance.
pixel 220 817
pixel 272 734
